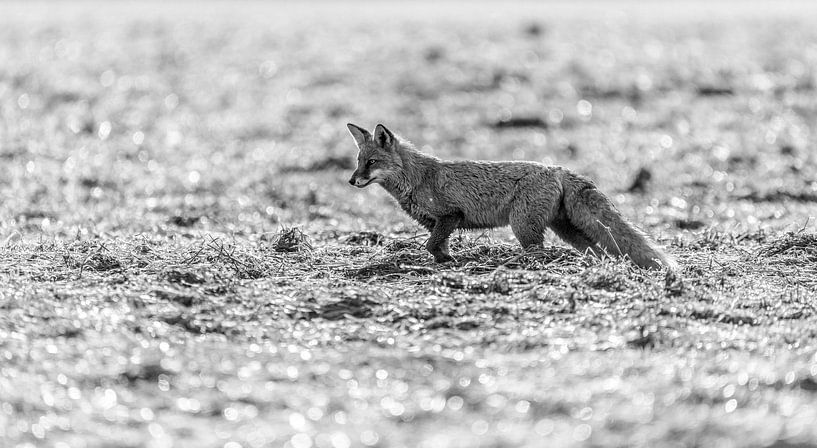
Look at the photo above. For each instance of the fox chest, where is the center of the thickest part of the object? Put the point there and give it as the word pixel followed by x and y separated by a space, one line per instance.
pixel 424 209
pixel 417 209
pixel 420 205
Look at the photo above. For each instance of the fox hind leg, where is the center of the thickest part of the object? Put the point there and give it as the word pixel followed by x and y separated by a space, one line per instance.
pixel 572 235
pixel 529 232
pixel 534 211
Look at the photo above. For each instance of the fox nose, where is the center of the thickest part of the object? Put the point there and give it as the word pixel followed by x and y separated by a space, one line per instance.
pixel 352 181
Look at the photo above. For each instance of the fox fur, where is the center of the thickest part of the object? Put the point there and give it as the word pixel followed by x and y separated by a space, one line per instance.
pixel 446 195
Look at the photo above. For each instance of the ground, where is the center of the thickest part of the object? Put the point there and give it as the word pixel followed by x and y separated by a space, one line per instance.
pixel 184 264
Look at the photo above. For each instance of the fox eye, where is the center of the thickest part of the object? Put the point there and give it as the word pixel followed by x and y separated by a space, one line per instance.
pixel 370 162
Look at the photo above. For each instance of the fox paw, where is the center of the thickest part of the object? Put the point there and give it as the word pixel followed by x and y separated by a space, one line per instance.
pixel 444 258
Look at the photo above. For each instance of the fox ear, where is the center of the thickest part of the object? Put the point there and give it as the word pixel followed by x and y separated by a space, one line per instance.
pixel 360 135
pixel 383 137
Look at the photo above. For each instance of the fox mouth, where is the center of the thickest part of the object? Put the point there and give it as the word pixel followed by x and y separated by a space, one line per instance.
pixel 368 182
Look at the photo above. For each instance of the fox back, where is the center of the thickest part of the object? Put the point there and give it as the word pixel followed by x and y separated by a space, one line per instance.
pixel 426 187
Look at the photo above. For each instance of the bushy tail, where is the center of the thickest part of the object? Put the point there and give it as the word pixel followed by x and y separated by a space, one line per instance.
pixel 592 213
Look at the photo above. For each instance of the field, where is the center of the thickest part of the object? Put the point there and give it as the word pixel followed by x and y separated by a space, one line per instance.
pixel 183 263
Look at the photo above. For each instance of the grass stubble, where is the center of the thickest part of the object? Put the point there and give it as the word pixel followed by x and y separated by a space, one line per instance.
pixel 202 339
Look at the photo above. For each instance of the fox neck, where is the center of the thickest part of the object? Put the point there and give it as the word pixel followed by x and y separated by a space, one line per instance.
pixel 415 171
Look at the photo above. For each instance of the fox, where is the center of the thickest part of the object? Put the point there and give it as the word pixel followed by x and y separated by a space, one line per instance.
pixel 443 196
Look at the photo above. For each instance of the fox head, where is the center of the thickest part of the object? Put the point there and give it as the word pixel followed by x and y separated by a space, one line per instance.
pixel 377 159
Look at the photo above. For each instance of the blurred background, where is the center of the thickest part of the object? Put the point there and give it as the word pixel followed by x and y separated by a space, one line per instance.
pixel 231 114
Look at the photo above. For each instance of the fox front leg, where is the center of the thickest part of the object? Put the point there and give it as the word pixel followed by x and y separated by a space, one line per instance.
pixel 427 223
pixel 438 241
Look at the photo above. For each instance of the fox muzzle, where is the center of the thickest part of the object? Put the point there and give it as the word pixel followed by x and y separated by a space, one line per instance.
pixel 360 182
pixel 357 181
